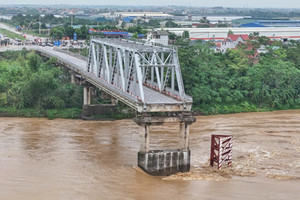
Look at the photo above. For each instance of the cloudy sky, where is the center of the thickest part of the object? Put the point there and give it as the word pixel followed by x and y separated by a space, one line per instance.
pixel 198 3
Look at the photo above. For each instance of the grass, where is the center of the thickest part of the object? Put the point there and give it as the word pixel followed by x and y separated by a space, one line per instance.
pixel 32 32
pixel 69 113
pixel 236 108
pixel 10 34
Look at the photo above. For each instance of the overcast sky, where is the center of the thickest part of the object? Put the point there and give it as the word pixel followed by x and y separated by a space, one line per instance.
pixel 197 3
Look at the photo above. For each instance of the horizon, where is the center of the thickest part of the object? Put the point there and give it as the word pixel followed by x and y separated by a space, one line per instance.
pixel 137 6
pixel 246 4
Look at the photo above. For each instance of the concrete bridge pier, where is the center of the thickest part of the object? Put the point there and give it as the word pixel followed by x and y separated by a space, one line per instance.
pixel 184 131
pixel 73 79
pixel 168 161
pixel 114 101
pixel 92 111
pixel 87 95
pixel 144 139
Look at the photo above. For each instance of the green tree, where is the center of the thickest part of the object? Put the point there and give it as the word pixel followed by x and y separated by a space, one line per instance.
pixel 185 34
pixel 57 32
pixel 79 33
pixel 135 35
pixel 34 61
pixel 84 32
pixel 171 24
pixel 69 32
pixel 230 32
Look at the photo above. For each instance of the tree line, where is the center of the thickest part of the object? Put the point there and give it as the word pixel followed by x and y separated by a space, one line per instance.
pixel 237 81
pixel 26 81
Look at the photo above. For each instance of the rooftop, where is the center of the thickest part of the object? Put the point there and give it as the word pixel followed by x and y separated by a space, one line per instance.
pixel 234 37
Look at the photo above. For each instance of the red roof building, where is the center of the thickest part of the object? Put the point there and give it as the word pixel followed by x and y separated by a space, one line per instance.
pixel 233 37
pixel 232 41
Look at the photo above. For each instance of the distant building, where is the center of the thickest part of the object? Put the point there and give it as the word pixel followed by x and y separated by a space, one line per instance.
pixel 158 36
pixel 157 15
pixel 128 19
pixel 272 23
pixel 219 34
pixel 127 25
pixel 232 41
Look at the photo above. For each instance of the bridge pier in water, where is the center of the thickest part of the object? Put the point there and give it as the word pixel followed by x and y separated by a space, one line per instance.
pixel 87 95
pixel 91 110
pixel 168 161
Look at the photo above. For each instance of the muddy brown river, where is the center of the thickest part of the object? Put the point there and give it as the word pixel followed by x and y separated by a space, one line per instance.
pixel 74 159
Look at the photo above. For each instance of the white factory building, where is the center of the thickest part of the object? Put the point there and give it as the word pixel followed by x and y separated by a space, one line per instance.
pixel 136 14
pixel 288 33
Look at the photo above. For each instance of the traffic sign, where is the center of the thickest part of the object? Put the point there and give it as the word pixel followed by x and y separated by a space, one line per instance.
pixel 75 36
pixel 56 43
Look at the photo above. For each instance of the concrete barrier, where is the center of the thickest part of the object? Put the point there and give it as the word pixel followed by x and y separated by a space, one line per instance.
pixel 164 162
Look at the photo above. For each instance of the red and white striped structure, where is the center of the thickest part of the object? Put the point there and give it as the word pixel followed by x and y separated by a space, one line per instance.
pixel 221 150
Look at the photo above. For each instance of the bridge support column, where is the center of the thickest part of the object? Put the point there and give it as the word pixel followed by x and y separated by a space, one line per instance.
pixel 114 101
pixel 97 111
pixel 184 131
pixel 169 161
pixel 73 78
pixel 87 95
pixel 144 139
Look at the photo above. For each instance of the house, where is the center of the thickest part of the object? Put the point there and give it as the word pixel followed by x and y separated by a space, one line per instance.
pixel 232 41
pixel 158 36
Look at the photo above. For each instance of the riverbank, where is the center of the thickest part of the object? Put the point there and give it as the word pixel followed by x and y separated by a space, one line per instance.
pixel 126 113
pixel 76 113
pixel 236 108
pixel 69 113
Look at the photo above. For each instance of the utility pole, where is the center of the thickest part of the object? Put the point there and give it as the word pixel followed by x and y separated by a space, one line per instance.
pixel 39 24
pixel 71 19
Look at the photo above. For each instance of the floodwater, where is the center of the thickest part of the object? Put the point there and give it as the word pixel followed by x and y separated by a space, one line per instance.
pixel 74 159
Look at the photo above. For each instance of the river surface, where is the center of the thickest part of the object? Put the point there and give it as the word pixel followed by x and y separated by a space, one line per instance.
pixel 74 159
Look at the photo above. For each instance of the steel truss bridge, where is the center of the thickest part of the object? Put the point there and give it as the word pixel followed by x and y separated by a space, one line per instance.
pixel 148 79
pixel 145 77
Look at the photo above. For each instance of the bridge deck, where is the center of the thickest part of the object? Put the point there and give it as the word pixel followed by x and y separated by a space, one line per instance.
pixel 121 43
pixel 156 101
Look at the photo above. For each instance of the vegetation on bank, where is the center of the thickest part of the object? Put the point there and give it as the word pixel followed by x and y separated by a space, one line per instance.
pixel 68 113
pixel 34 88
pixel 242 80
